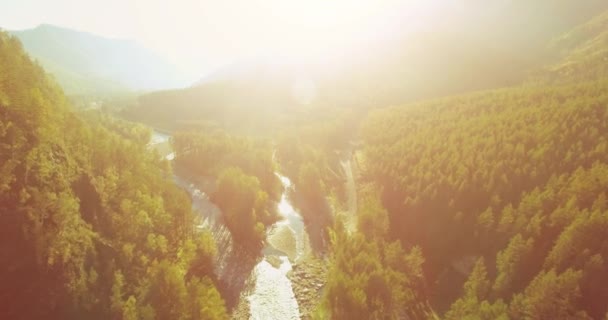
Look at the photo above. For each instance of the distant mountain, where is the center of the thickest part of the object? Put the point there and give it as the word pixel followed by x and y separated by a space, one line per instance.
pixel 85 63
pixel 479 45
pixel 414 66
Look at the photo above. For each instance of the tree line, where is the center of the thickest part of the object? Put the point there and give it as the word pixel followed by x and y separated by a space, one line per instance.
pixel 92 225
pixel 514 177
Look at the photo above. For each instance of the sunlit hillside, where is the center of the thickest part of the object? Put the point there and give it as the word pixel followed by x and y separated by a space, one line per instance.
pixel 285 160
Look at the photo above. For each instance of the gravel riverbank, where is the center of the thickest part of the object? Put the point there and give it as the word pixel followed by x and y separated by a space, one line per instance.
pixel 308 279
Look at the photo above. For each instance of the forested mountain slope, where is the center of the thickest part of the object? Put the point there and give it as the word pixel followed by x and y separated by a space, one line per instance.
pixel 456 49
pixel 262 94
pixel 508 186
pixel 91 225
pixel 581 54
pixel 86 64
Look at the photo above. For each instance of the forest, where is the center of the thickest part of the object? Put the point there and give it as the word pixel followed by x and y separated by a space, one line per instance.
pixel 505 189
pixel 450 179
pixel 246 185
pixel 92 225
pixel 503 178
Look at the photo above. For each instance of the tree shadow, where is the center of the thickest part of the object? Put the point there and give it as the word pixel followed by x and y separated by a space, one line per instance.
pixel 233 264
pixel 317 219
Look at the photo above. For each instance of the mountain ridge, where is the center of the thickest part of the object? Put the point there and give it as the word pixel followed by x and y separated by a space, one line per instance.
pixel 86 63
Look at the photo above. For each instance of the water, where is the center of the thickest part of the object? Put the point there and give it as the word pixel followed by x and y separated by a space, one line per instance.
pixel 201 204
pixel 273 297
pixel 160 142
pixel 292 218
pixel 158 138
pixel 200 201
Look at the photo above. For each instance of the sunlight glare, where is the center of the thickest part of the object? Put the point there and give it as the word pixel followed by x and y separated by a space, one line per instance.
pixel 219 33
pixel 304 90
pixel 306 29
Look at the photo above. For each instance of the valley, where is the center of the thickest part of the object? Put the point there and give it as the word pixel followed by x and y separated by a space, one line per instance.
pixel 267 292
pixel 423 160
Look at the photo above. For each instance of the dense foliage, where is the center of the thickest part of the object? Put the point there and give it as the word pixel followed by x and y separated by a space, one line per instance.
pixel 512 178
pixel 490 205
pixel 92 227
pixel 514 175
pixel 309 152
pixel 252 105
pixel 371 278
pixel 245 207
pixel 246 186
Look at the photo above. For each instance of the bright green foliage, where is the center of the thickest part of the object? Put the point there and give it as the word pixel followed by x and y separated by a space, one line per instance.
pixel 247 187
pixel 478 284
pixel 473 305
pixel 204 298
pixel 244 206
pixel 517 176
pixel 91 225
pixel 511 263
pixel 550 296
pixel 372 218
pixel 308 151
pixel 129 311
pixel 373 279
pixel 208 154
pixel 520 169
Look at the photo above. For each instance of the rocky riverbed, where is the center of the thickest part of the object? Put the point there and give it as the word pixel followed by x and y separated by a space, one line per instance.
pixel 308 278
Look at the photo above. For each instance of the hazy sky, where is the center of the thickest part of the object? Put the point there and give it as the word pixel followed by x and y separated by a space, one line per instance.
pixel 205 34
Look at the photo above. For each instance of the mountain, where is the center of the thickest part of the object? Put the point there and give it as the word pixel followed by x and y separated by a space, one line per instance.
pixel 504 190
pixel 251 93
pixel 495 201
pixel 85 63
pixel 479 45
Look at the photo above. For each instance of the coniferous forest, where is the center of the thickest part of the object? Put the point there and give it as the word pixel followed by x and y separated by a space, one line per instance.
pixel 92 226
pixel 454 170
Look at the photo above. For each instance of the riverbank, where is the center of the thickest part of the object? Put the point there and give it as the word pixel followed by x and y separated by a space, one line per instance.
pixel 308 278
pixel 267 287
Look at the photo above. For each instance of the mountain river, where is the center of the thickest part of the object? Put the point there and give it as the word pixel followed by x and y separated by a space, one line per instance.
pixel 272 295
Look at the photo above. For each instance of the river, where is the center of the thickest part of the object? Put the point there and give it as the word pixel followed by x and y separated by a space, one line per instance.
pixel 272 295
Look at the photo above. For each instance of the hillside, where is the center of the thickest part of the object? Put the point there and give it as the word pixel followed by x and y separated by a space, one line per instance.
pixel 493 45
pixel 581 53
pixel 279 90
pixel 91 227
pixel 449 166
pixel 504 191
pixel 84 63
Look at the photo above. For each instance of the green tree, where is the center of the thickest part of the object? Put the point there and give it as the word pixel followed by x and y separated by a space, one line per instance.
pixel 550 296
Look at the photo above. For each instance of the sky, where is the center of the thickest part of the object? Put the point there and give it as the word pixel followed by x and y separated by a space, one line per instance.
pixel 207 34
